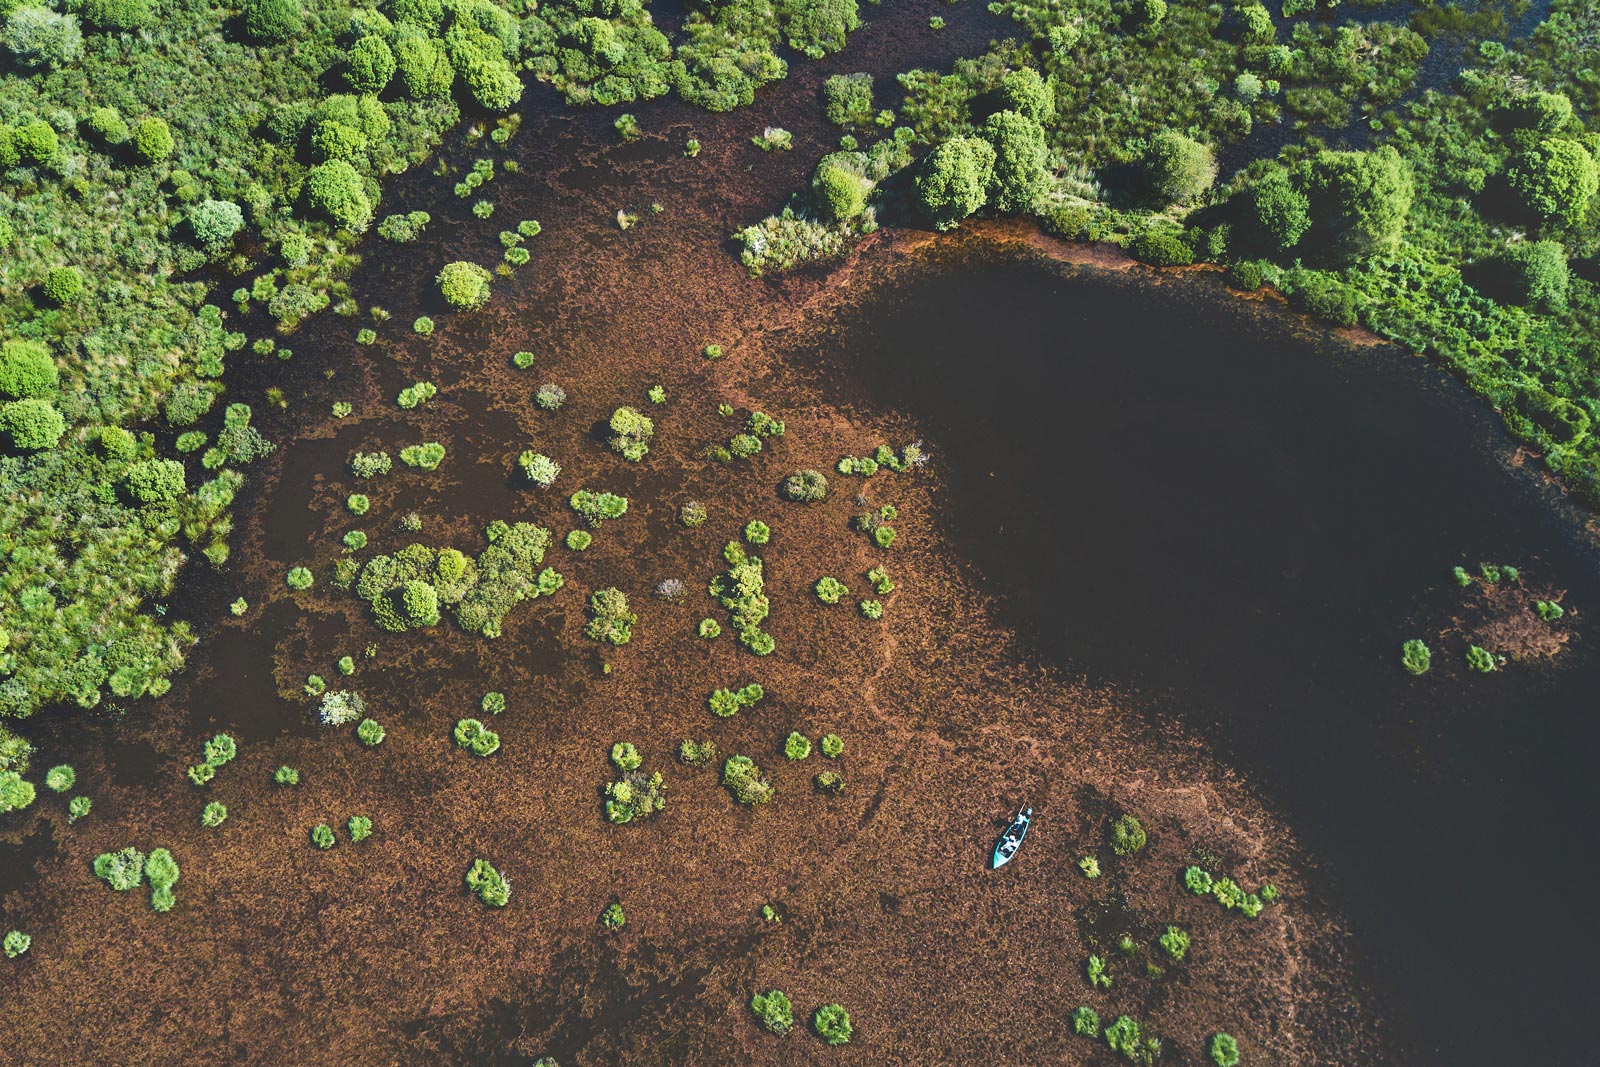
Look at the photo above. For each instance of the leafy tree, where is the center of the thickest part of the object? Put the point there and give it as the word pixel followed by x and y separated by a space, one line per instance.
pixel 1537 274
pixel 818 27
pixel 847 99
pixel 16 792
pixel 41 38
pixel 1179 169
pixel 422 64
pixel 369 65
pixel 1555 179
pixel 272 21
pixel 953 179
pixel 62 285
pixel 1280 211
pixel 1359 200
pixel 631 433
pixel 1541 111
pixel 838 188
pixel 155 481
pixel 464 285
pixel 31 424
pixel 27 370
pixel 152 140
pixel 336 190
pixel 1020 158
pixel 1028 94
pixel 215 222
pixel 119 15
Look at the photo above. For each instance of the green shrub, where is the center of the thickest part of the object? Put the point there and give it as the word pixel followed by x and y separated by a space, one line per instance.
pixel 40 38
pixel 27 370
pixel 797 746
pixel 1123 1036
pixel 579 540
pixel 830 782
pixel 832 746
pixel 491 887
pixel 757 532
pixel 369 65
pixel 470 733
pixel 831 590
pixel 832 1023
pixel 152 140
pixel 16 943
pixel 1479 659
pixel 709 629
pixel 1415 657
pixel 550 397
pixel 31 425
pixel 78 807
pixel 726 702
pixel 872 609
pixel 774 1011
pixel 60 779
pixel 322 836
pixel 370 733
pixel 15 792
pixel 697 753
pixel 413 395
pixel 609 617
pixel 805 486
pixel 464 286
pixel 493 702
pixel 1224 1050
pixel 631 433
pixel 286 775
pixel 539 468
pixel 1089 866
pixel 426 456
pixel 122 870
pixel 272 21
pixel 359 827
pixel 612 917
pixel 299 579
pixel 1098 975
pixel 1086 1022
pixel 335 190
pixel 1127 836
pixel 596 508
pixel 213 814
pixel 1175 942
pixel 745 780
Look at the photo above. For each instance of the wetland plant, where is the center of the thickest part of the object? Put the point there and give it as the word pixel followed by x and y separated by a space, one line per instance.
pixel 299 579
pixel 744 779
pixel 697 753
pixel 493 702
pixel 522 360
pixel 1090 867
pixel 710 629
pixel 550 396
pixel 631 433
pixel 1550 610
pixel 1127 836
pixel 213 814
pixel 491 887
pixel 370 733
pixel 370 465
pixel 286 775
pixel 872 609
pixel 539 468
pixel 626 756
pixel 579 540
pixel 829 782
pixel 1198 880
pixel 1086 1022
pixel 596 508
pixel 757 532
pixel 426 456
pixel 805 487
pixel 831 590
pixel 359 827
pixel 78 807
pixel 60 779
pixel 832 1023
pixel 16 793
pixel 1099 976
pixel 358 503
pixel 609 617
pixel 881 584
pixel 16 943
pixel 612 917
pixel 413 395
pixel 832 746
pixel 121 870
pixel 464 286
pixel 774 1011
pixel 342 707
pixel 322 836
pixel 1175 942
pixel 636 795
pixel 470 733
pixel 1224 1050
pixel 728 702
pixel 1480 659
pixel 692 514
pixel 797 746
pixel 1415 657
pixel 671 590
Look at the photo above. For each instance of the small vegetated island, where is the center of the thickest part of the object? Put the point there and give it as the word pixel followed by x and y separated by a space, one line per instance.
pixel 187 192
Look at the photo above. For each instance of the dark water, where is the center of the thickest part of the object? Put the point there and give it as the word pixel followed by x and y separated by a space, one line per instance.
pixel 1243 524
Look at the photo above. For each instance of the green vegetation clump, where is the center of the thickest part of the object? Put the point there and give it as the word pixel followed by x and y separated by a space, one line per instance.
pixel 636 794
pixel 797 746
pixel 1089 866
pixel 322 836
pixel 805 487
pixel 539 468
pixel 727 702
pixel 16 943
pixel 612 917
pixel 413 395
pixel 631 433
pixel 832 746
pixel 609 617
pixel 832 1023
pixel 490 886
pixel 472 734
pixel 122 870
pixel 1127 836
pixel 596 508
pixel 409 588
pixel 831 590
pixel 359 827
pixel 697 753
pixel 1415 657
pixel 493 702
pixel 370 733
pixel 78 807
pixel 745 780
pixel 579 540
pixel 1479 659
pixel 830 782
pixel 774 1011
pixel 213 814
pixel 1086 1022
pixel 286 775
pixel 1175 942
pixel 742 590
pixel 60 779
pixel 16 792
pixel 1224 1050
pixel 1098 974
pixel 464 286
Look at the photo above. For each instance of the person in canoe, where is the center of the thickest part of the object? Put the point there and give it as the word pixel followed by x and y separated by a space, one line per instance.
pixel 1011 840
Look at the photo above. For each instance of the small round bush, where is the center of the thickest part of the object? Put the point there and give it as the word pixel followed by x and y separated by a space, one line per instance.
pixel 830 590
pixel 872 609
pixel 757 532
pixel 464 285
pixel 1480 659
pixel 322 836
pixel 152 140
pixel 78 807
pixel 774 1010
pixel 299 579
pixel 355 540
pixel 522 360
pixel 286 775
pixel 423 326
pixel 60 779
pixel 16 943
pixel 31 425
pixel 1415 657
pixel 579 540
pixel 370 733
pixel 626 756
pixel 613 918
pixel 550 397
pixel 358 503
pixel 797 746
pixel 272 21
pixel 213 814
pixel 710 629
pixel 360 827
pixel 832 1024
pixel 27 370
pixel 832 746
pixel 1224 1050
pixel 1127 836
pixel 62 285
pixel 692 514
pixel 493 703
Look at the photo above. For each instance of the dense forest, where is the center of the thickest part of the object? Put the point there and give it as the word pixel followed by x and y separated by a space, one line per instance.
pixel 1421 170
